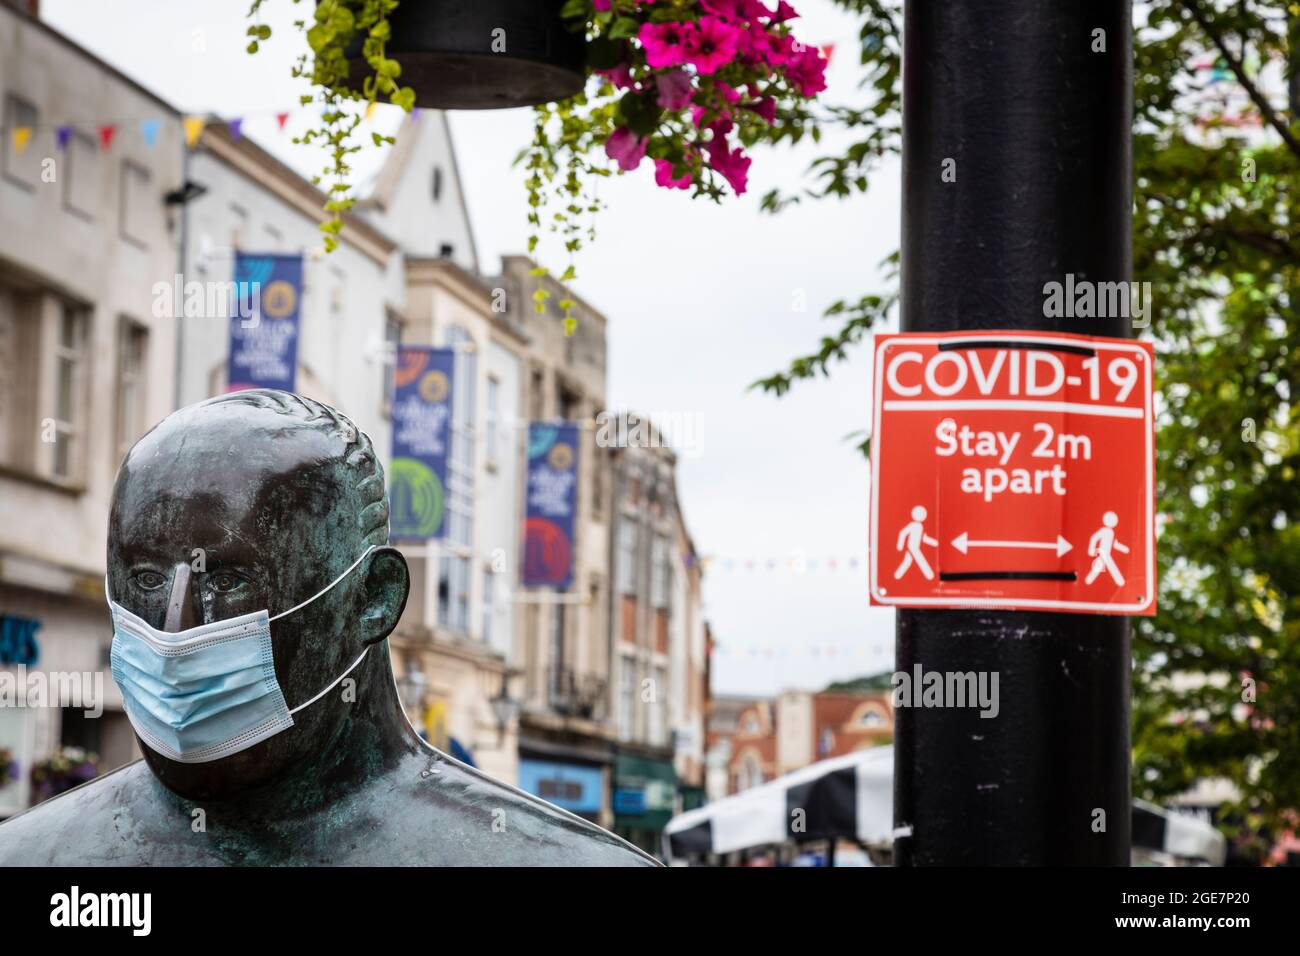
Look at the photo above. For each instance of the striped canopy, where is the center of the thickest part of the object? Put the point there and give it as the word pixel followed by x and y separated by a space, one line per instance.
pixel 852 797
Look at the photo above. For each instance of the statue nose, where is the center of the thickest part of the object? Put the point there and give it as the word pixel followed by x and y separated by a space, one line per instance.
pixel 180 605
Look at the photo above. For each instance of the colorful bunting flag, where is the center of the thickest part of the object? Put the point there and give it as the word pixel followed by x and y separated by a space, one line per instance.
pixel 106 134
pixel 370 112
pixel 22 136
pixel 236 127
pixel 194 129
pixel 282 118
pixel 149 132
pixel 61 136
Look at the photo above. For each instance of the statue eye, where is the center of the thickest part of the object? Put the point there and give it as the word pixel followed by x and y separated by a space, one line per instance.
pixel 224 581
pixel 149 580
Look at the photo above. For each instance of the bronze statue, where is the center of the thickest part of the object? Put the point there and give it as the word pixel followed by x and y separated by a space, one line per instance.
pixel 248 503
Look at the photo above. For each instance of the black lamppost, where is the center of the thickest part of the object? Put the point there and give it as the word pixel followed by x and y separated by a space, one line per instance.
pixel 1026 106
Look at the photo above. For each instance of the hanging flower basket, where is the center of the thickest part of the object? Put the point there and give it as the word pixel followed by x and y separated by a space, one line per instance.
pixel 685 86
pixel 481 54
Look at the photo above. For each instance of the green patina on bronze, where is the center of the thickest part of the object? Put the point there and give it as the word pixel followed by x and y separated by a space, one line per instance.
pixel 282 494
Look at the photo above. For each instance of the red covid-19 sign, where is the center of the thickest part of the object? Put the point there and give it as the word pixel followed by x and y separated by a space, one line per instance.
pixel 1013 470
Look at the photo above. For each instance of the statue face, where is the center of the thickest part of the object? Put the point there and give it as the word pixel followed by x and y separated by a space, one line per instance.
pixel 228 509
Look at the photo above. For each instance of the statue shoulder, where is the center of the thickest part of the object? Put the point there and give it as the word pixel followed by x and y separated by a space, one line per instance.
pixel 496 824
pixel 69 828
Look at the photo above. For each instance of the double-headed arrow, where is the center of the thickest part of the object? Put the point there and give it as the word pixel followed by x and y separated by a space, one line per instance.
pixel 962 542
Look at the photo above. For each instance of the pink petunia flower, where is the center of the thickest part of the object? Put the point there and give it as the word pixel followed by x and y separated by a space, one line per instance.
pixel 620 76
pixel 807 71
pixel 664 44
pixel 625 148
pixel 711 45
pixel 731 164
pixel 675 90
pixel 740 11
pixel 784 12
pixel 664 176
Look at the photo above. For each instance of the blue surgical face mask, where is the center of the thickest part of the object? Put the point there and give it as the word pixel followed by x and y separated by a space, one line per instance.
pixel 208 692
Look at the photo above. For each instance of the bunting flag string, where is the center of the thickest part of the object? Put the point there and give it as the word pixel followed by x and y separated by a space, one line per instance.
pixel 20 138
pixel 797 563
pixel 858 649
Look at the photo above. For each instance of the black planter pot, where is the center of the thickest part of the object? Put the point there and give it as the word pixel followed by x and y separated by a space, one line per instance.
pixel 445 48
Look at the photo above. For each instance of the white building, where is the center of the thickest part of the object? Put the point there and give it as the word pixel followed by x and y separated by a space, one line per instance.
pixel 403 273
pixel 85 367
pixel 97 246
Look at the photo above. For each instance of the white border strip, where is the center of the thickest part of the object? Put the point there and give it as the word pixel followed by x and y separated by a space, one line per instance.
pixel 984 335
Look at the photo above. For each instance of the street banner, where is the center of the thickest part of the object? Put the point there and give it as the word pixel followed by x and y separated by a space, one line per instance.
pixel 552 501
pixel 1013 470
pixel 263 349
pixel 417 477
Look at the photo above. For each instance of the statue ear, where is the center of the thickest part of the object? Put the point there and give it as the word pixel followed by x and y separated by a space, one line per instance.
pixel 388 582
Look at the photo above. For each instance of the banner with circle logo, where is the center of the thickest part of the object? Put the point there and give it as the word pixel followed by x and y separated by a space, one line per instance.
pixel 264 311
pixel 417 477
pixel 552 501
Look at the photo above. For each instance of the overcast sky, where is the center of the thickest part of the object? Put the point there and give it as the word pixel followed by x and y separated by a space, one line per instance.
pixel 702 300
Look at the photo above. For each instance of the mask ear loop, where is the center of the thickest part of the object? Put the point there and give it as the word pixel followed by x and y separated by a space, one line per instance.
pixel 338 680
pixel 350 569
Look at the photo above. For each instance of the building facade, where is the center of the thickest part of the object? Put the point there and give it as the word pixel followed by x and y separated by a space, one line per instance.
pixel 754 741
pixel 657 635
pixel 566 752
pixel 86 366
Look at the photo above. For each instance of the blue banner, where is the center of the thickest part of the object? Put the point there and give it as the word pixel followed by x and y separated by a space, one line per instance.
pixel 264 322
pixel 417 478
pixel 552 500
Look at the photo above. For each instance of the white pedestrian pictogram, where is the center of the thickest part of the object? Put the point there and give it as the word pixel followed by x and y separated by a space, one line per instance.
pixel 1100 545
pixel 910 540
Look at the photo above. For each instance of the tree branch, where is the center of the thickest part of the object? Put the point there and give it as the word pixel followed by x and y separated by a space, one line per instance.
pixel 1265 108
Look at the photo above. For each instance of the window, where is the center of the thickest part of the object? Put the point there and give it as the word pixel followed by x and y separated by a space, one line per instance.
pixel 658 725
pixel 871 718
pixel 20 327
pixel 493 414
pixel 454 584
pixel 137 203
pixel 626 699
pixel 489 603
pixel 81 175
pixel 69 389
pixel 437 183
pixel 133 341
pixel 628 539
pixel 21 168
pixel 392 339
pixel 660 572
pixel 558 687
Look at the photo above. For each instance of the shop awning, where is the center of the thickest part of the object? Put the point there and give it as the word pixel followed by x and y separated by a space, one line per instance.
pixel 852 797
pixel 849 796
pixel 1178 834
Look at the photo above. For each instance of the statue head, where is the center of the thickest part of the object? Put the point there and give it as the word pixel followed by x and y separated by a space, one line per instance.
pixel 252 501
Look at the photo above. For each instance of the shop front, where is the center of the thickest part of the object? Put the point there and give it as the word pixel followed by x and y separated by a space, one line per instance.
pixel 578 788
pixel 644 799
